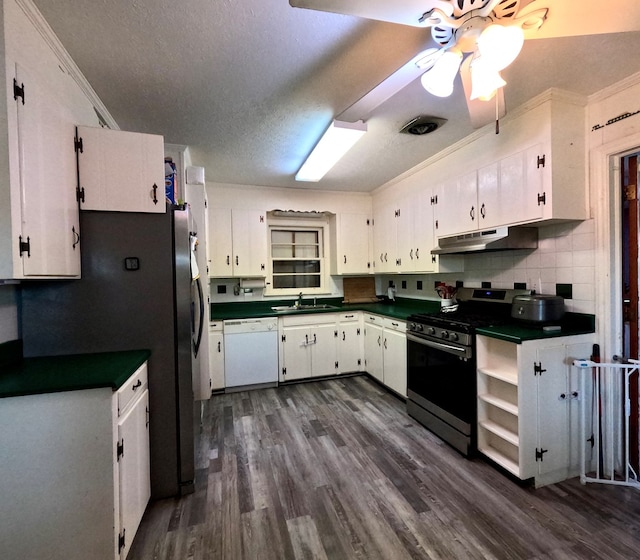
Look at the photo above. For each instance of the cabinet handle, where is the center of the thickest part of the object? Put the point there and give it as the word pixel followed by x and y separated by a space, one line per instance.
pixel 228 260
pixel 385 343
pixel 483 211
pixel 314 338
pixel 381 257
pixel 138 384
pixel 379 341
pixel 348 316
pixel 147 414
pixel 306 339
pixel 76 237
pixel 344 336
pixel 417 253
pixel 411 254
pixel 219 347
pixel 472 213
pixel 155 193
pixel 237 260
pixel 345 259
pixel 385 257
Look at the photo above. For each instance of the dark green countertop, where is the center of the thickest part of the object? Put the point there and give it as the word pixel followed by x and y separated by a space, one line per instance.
pixel 52 374
pixel 572 324
pixel 401 308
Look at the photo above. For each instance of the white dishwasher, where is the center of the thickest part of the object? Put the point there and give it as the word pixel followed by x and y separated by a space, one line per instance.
pixel 250 351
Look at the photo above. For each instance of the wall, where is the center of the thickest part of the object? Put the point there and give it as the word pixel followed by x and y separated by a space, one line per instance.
pixel 8 313
pixel 565 255
pixel 268 198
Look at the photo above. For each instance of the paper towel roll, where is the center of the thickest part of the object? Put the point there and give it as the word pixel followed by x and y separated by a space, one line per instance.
pixel 247 283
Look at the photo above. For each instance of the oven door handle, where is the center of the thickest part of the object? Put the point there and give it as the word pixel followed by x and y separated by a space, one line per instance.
pixel 443 346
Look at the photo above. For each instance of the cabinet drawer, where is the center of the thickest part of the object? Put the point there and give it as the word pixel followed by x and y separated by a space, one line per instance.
pixel 133 387
pixel 349 317
pixel 309 319
pixel 394 325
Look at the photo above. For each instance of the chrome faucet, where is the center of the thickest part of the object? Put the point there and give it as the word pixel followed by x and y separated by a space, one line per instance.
pixel 299 300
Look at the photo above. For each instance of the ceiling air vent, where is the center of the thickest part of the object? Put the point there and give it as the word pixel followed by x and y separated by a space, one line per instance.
pixel 423 125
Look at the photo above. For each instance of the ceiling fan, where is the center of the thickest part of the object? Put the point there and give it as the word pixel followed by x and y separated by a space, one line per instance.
pixel 477 38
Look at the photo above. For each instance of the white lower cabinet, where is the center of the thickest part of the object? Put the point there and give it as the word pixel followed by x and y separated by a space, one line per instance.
pixel 528 401
pixel 75 471
pixel 216 356
pixel 385 347
pixel 308 346
pixel 350 342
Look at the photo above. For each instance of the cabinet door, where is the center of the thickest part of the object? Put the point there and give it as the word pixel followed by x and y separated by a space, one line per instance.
pixel 219 243
pixel 457 209
pixel 395 361
pixel 324 350
pixel 296 354
pixel 121 171
pixel 404 260
pixel 373 350
pixel 490 210
pixel 133 468
pixel 520 182
pixel 349 347
pixel 216 360
pixel 353 231
pixel 249 234
pixel 384 239
pixel 423 234
pixel 50 221
pixel 553 410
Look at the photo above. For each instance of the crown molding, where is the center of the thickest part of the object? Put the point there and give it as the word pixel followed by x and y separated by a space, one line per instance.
pixel 66 62
pixel 618 87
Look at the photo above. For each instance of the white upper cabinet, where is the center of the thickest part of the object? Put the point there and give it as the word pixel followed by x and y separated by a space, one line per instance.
pixel 43 103
pixel 120 171
pixel 238 243
pixel 533 171
pixel 350 243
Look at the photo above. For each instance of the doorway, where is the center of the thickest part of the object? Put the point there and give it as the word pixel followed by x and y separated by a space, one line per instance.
pixel 629 259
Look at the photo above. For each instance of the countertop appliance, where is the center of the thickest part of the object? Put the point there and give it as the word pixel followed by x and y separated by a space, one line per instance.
pixel 537 308
pixel 250 352
pixel 135 293
pixel 441 363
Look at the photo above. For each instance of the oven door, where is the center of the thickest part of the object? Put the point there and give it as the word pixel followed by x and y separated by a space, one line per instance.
pixel 441 388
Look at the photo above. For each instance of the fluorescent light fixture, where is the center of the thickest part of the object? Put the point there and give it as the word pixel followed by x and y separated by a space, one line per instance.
pixel 336 141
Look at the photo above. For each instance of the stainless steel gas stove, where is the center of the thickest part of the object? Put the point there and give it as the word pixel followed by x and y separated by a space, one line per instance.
pixel 441 363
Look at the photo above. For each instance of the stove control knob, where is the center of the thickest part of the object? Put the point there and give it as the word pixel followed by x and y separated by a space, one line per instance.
pixel 444 334
pixel 413 327
pixel 454 336
pixel 420 328
pixel 431 331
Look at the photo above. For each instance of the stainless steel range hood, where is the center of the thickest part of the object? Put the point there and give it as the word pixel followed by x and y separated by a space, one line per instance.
pixel 498 239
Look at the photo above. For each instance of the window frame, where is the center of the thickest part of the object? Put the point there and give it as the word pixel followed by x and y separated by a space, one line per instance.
pixel 319 225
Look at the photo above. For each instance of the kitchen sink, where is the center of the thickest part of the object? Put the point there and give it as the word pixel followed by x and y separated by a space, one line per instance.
pixel 303 307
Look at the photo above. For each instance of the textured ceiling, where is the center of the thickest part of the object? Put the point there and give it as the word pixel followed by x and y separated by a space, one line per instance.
pixel 250 85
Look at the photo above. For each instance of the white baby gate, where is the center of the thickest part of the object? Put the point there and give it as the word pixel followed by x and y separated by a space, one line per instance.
pixel 604 441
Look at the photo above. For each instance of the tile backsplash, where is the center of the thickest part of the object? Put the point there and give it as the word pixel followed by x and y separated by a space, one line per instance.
pixel 565 257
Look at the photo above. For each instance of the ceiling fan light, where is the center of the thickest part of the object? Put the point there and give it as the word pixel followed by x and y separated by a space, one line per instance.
pixel 500 45
pixel 439 80
pixel 485 80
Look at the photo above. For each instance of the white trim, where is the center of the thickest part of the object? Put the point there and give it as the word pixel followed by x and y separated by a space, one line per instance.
pixel 41 25
pixel 618 87
pixel 605 181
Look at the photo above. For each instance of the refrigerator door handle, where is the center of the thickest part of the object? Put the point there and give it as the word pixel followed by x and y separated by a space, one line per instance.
pixel 198 339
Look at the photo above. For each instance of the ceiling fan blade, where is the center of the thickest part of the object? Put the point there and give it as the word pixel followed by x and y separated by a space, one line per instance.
pixel 391 85
pixel 481 112
pixel 567 19
pixel 407 12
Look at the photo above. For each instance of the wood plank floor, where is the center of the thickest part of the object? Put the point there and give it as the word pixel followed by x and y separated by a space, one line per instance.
pixel 337 470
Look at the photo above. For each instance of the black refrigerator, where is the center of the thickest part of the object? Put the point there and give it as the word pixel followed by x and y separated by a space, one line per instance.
pixel 136 292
